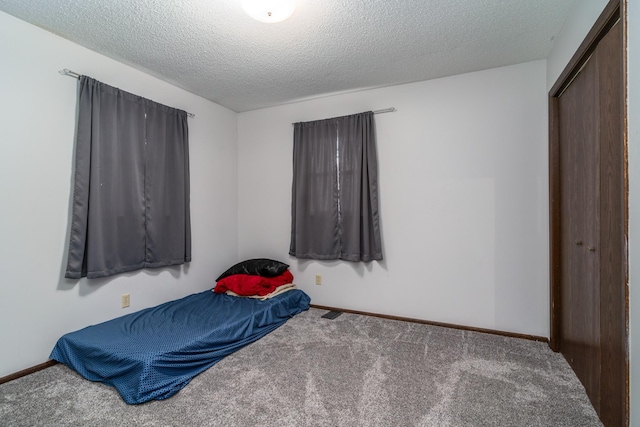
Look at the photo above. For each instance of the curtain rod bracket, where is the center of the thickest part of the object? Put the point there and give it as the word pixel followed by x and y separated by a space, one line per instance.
pixel 68 72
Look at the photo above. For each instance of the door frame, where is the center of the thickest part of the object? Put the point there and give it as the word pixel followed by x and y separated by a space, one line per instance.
pixel 615 10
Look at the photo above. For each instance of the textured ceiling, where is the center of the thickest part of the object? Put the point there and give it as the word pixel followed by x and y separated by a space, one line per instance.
pixel 213 49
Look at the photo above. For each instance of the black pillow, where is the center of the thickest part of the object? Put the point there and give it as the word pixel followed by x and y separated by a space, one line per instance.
pixel 257 267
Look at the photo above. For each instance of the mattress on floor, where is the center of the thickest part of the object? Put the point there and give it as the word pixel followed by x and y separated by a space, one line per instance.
pixel 155 352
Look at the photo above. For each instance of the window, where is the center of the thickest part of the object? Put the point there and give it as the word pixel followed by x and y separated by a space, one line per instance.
pixel 334 209
pixel 131 185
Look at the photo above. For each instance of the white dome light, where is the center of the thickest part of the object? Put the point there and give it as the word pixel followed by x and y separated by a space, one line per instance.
pixel 269 11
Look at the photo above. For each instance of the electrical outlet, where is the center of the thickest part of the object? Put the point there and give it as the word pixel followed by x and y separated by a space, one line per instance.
pixel 125 300
pixel 318 279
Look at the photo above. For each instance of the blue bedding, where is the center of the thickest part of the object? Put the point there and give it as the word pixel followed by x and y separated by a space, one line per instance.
pixel 154 353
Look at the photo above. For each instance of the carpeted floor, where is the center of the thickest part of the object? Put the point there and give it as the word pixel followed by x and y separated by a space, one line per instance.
pixel 351 371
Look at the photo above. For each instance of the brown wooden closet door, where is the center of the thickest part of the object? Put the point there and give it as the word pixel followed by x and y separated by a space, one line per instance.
pixel 593 307
pixel 580 325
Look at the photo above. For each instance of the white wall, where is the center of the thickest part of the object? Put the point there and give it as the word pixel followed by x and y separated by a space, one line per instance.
pixel 37 119
pixel 633 122
pixel 463 192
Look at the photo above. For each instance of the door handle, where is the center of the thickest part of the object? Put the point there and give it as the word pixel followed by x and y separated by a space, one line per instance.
pixel 591 248
pixel 578 242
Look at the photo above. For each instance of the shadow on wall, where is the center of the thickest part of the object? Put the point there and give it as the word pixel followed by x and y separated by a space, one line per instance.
pixel 88 286
pixel 360 268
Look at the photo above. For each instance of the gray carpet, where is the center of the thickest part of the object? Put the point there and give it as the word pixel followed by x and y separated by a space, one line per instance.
pixel 351 371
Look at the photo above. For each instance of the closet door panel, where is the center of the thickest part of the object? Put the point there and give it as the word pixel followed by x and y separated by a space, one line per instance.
pixel 580 294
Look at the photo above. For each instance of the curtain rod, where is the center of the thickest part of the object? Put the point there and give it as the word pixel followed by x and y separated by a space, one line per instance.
pixel 68 72
pixel 382 111
pixel 385 110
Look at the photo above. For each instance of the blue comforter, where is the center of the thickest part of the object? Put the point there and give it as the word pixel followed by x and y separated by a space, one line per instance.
pixel 154 353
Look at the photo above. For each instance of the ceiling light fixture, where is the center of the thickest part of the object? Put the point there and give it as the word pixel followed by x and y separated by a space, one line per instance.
pixel 269 11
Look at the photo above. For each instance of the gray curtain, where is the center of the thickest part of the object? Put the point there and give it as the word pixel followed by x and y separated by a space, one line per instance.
pixel 334 208
pixel 131 185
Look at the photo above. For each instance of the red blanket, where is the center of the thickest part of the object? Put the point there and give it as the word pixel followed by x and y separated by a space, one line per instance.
pixel 246 284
